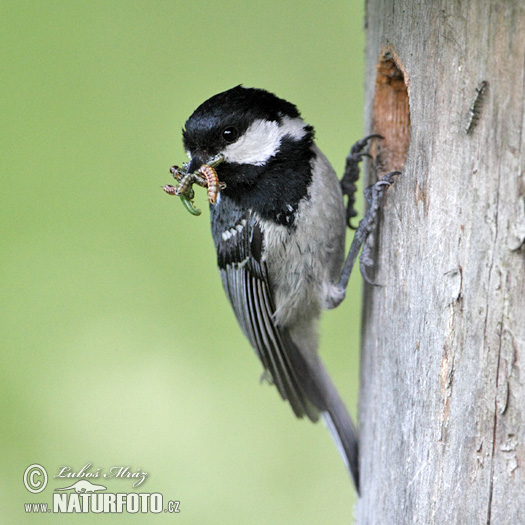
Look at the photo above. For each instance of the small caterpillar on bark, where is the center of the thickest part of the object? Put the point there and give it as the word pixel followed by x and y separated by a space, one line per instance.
pixel 475 108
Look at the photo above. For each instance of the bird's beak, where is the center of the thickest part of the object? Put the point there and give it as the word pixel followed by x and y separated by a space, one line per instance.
pixel 197 160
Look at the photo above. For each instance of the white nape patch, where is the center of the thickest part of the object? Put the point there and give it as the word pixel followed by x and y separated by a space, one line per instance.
pixel 293 127
pixel 263 139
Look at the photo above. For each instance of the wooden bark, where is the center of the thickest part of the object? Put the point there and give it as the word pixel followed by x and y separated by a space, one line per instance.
pixel 441 411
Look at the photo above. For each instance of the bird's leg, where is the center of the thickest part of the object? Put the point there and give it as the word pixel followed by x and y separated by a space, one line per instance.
pixel 351 175
pixel 374 195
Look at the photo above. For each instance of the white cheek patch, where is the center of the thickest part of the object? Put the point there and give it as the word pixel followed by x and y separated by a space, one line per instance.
pixel 262 140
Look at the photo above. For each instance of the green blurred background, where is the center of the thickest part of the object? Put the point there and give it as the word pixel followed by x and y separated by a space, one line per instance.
pixel 118 346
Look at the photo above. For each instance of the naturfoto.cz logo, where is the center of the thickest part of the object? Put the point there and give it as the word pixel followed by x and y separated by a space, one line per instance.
pixel 84 496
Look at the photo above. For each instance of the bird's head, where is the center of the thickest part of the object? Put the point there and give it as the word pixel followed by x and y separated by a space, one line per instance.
pixel 252 129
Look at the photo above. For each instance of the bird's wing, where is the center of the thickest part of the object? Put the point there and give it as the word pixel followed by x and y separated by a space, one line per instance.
pixel 307 386
pixel 244 275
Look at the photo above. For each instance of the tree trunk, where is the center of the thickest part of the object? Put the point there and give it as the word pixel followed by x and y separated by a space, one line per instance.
pixel 442 428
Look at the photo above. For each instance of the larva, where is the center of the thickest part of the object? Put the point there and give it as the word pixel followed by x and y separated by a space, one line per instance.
pixel 214 186
pixel 177 173
pixel 185 183
pixel 169 189
pixel 475 108
pixel 205 177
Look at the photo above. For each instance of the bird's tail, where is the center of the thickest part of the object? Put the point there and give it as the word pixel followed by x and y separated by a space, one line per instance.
pixel 337 420
pixel 318 390
pixel 341 428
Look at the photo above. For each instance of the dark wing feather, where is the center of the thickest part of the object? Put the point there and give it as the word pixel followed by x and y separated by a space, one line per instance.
pixel 245 279
pixel 306 385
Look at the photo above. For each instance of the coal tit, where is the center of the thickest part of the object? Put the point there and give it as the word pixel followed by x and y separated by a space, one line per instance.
pixel 279 230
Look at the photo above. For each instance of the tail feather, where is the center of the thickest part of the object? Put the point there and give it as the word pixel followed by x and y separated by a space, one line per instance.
pixel 318 389
pixel 344 435
pixel 338 422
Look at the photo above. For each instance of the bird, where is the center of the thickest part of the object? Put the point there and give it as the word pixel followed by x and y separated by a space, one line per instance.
pixel 278 226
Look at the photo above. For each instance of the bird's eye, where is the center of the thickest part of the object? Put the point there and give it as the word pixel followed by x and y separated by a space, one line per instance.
pixel 230 134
